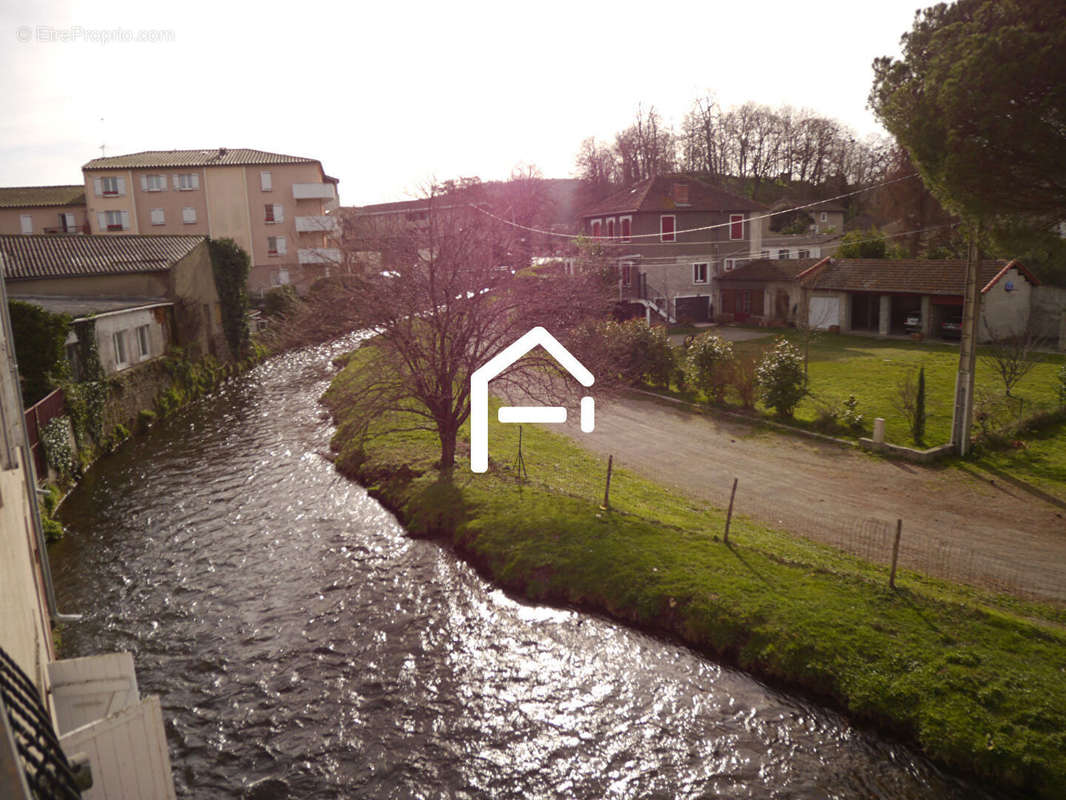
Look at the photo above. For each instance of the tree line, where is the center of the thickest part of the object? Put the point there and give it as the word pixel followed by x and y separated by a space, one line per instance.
pixel 752 142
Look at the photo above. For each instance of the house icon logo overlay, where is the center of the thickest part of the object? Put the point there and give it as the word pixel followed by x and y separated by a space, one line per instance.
pixel 479 393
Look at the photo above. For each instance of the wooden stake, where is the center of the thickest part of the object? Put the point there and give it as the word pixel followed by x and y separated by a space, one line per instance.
pixel 607 491
pixel 729 514
pixel 895 554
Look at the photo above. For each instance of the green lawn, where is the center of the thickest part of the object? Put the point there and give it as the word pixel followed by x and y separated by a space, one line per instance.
pixel 975 679
pixel 870 369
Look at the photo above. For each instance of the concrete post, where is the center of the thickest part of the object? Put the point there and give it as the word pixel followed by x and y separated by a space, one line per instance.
pixel 879 430
pixel 927 316
pixel 884 315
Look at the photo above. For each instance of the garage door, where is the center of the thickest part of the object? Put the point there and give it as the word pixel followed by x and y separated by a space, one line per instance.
pixel 823 312
pixel 691 309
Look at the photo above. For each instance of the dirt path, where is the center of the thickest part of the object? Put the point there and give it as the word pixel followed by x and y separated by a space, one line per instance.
pixel 955 525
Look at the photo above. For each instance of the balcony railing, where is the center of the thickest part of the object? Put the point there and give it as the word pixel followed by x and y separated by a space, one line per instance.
pixel 319 255
pixel 323 224
pixel 313 191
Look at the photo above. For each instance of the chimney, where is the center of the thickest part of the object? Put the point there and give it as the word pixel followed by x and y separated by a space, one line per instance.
pixel 221 152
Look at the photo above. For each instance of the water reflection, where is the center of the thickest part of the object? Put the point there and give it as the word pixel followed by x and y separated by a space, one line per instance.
pixel 294 633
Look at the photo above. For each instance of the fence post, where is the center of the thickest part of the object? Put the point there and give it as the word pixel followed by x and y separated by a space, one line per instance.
pixel 729 514
pixel 895 554
pixel 607 490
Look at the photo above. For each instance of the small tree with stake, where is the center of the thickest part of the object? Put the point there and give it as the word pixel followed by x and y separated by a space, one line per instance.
pixel 1011 356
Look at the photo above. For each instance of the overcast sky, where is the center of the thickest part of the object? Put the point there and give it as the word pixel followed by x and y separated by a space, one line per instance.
pixel 391 95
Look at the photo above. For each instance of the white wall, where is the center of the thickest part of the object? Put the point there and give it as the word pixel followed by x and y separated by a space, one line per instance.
pixel 109 324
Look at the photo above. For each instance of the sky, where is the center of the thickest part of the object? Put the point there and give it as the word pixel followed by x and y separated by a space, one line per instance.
pixel 393 96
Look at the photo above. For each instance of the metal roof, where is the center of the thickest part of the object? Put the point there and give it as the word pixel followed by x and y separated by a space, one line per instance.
pixel 30 196
pixel 70 256
pixel 217 157
pixel 91 306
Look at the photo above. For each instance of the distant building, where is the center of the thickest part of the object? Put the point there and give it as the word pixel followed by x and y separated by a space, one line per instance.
pixel 671 235
pixel 141 291
pixel 42 209
pixel 277 207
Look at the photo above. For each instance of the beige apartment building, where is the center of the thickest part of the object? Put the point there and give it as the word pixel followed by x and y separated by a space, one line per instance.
pixel 277 207
pixel 42 209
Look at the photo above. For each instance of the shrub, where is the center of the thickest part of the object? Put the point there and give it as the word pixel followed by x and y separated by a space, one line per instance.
pixel 39 347
pixel 780 378
pixel 909 401
pixel 280 300
pixel 744 380
pixel 55 436
pixel 641 352
pixel 709 363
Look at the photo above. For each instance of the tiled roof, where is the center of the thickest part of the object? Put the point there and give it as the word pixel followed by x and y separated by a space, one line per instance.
pixel 29 196
pixel 919 276
pixel 766 269
pixel 217 157
pixel 70 256
pixel 657 195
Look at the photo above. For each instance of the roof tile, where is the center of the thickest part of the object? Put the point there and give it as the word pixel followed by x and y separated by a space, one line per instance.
pixel 217 157
pixel 30 196
pixel 70 256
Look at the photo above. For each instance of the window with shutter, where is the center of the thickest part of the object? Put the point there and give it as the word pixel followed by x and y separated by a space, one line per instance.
pixel 188 215
pixel 26 221
pixel 626 224
pixel 272 245
pixel 158 217
pixel 265 181
pixel 269 210
pixel 736 226
pixel 279 213
pixel 121 184
pixel 124 220
pixel 281 246
pixel 667 224
pixel 610 228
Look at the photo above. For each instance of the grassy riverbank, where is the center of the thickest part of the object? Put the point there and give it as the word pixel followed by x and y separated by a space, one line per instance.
pixel 977 681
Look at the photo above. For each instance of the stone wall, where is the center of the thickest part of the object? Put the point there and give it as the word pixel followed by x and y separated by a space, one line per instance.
pixel 131 391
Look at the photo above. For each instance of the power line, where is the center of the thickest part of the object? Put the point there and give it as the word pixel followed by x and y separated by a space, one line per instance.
pixel 691 230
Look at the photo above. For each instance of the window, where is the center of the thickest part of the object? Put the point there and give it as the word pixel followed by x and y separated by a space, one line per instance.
pixel 626 224
pixel 764 254
pixel 158 218
pixel 803 254
pixel 110 187
pixel 283 277
pixel 144 342
pixel 153 183
pixel 610 228
pixel 736 226
pixel 666 228
pixel 265 181
pixel 186 182
pixel 113 220
pixel 825 216
pixel 188 215
pixel 274 213
pixel 26 221
pixel 269 212
pixel 627 273
pixel 118 339
pixel 276 245
pixel 681 194
pixel 594 227
pixel 783 254
pixel 699 273
pixel 729 264
pixel 746 302
pixel 66 222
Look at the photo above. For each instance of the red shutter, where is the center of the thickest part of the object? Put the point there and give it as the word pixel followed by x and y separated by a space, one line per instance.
pixel 666 228
pixel 625 228
pixel 596 228
pixel 736 226
pixel 269 212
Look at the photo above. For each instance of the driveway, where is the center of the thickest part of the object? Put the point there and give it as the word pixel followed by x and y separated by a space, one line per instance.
pixel 956 525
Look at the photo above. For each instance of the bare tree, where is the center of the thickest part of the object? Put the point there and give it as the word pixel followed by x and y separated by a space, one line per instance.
pixel 1011 355
pixel 441 307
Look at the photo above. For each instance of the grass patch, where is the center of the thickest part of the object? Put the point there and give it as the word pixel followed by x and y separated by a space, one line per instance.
pixel 976 680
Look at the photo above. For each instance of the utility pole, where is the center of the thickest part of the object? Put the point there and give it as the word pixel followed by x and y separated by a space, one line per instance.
pixel 964 381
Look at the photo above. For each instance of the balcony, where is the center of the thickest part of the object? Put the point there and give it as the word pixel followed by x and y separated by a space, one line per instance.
pixel 319 255
pixel 314 191
pixel 321 224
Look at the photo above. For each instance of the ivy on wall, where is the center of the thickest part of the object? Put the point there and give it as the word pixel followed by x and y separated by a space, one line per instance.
pixel 231 265
pixel 86 399
pixel 39 338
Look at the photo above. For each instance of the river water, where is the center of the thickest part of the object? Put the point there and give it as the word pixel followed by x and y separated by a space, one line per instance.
pixel 299 641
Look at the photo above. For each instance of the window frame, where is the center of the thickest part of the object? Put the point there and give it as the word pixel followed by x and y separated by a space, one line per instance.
pixel 625 228
pixel 185 215
pixel 595 228
pixel 162 216
pixel 664 235
pixel 109 180
pixel 266 181
pixel 144 342
pixel 118 343
pixel 696 271
pixel 627 273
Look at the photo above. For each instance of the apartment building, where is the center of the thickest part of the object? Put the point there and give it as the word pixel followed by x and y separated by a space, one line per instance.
pixel 42 209
pixel 277 207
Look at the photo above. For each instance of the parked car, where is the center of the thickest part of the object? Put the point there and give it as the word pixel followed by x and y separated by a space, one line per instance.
pixel 913 322
pixel 951 328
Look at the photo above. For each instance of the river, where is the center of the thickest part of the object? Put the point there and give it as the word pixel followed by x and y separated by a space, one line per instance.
pixel 298 639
